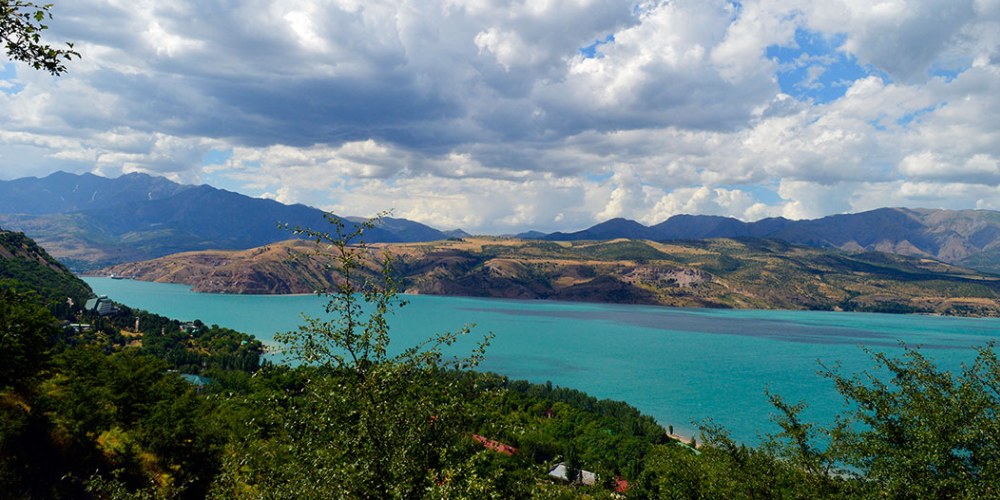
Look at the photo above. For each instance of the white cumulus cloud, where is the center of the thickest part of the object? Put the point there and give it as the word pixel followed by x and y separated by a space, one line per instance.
pixel 506 116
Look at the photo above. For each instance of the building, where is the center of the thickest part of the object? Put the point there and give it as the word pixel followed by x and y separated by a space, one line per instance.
pixel 496 446
pixel 586 477
pixel 101 305
pixel 78 327
pixel 197 381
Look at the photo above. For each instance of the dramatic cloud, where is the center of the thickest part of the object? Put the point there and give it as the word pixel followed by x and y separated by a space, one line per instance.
pixel 501 117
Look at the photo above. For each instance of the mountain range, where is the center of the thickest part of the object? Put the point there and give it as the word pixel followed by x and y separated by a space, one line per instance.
pixel 88 221
pixel 970 238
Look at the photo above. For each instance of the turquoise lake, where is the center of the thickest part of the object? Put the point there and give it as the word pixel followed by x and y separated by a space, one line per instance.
pixel 677 365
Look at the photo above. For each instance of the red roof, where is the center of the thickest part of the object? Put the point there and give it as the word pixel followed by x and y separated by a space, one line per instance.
pixel 506 449
pixel 621 485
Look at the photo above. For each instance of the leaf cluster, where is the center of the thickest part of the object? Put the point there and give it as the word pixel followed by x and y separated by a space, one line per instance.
pixel 910 430
pixel 21 27
pixel 920 431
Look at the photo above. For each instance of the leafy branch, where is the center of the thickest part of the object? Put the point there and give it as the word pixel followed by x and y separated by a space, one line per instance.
pixel 21 27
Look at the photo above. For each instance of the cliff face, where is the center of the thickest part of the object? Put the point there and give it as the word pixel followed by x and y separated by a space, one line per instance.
pixel 709 273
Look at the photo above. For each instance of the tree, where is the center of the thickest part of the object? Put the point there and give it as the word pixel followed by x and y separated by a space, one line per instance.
pixel 27 331
pixel 571 461
pixel 912 430
pixel 21 27
pixel 722 468
pixel 370 422
pixel 921 431
pixel 366 294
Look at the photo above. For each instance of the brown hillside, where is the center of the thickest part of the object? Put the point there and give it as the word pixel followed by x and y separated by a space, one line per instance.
pixel 711 273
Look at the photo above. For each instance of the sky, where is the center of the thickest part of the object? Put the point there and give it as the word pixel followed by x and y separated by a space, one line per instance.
pixel 505 116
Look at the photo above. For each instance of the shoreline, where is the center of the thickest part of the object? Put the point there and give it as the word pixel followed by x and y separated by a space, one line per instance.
pixel 682 438
pixel 521 361
pixel 562 301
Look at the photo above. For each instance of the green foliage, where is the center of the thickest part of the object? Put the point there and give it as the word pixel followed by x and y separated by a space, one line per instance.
pixel 373 423
pixel 332 440
pixel 623 250
pixel 125 412
pixel 549 424
pixel 204 348
pixel 31 268
pixel 922 432
pixel 912 430
pixel 721 468
pixel 73 404
pixel 21 27
pixel 26 332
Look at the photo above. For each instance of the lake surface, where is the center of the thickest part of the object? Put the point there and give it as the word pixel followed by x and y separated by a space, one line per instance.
pixel 677 365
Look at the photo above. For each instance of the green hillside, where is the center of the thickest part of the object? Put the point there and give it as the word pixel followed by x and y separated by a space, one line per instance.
pixel 25 265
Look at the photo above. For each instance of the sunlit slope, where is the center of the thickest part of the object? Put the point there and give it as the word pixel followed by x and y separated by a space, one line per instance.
pixel 728 273
pixel 26 266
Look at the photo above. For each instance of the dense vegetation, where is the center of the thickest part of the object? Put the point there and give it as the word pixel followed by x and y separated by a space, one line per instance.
pixel 23 264
pixel 104 412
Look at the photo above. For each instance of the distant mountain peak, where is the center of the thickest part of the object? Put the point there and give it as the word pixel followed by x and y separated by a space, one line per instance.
pixel 953 236
pixel 620 221
pixel 91 220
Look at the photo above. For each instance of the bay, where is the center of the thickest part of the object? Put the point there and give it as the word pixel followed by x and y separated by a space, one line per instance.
pixel 680 366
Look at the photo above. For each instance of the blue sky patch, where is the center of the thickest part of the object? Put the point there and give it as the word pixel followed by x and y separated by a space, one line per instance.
pixel 600 177
pixel 762 193
pixel 8 79
pixel 216 157
pixel 877 123
pixel 908 118
pixel 590 51
pixel 948 74
pixel 816 69
pixel 221 178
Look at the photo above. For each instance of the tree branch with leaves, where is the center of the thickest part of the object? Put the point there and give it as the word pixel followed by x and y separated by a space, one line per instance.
pixel 21 27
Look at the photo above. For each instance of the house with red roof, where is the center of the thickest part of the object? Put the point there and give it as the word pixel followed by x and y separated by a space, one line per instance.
pixel 496 446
